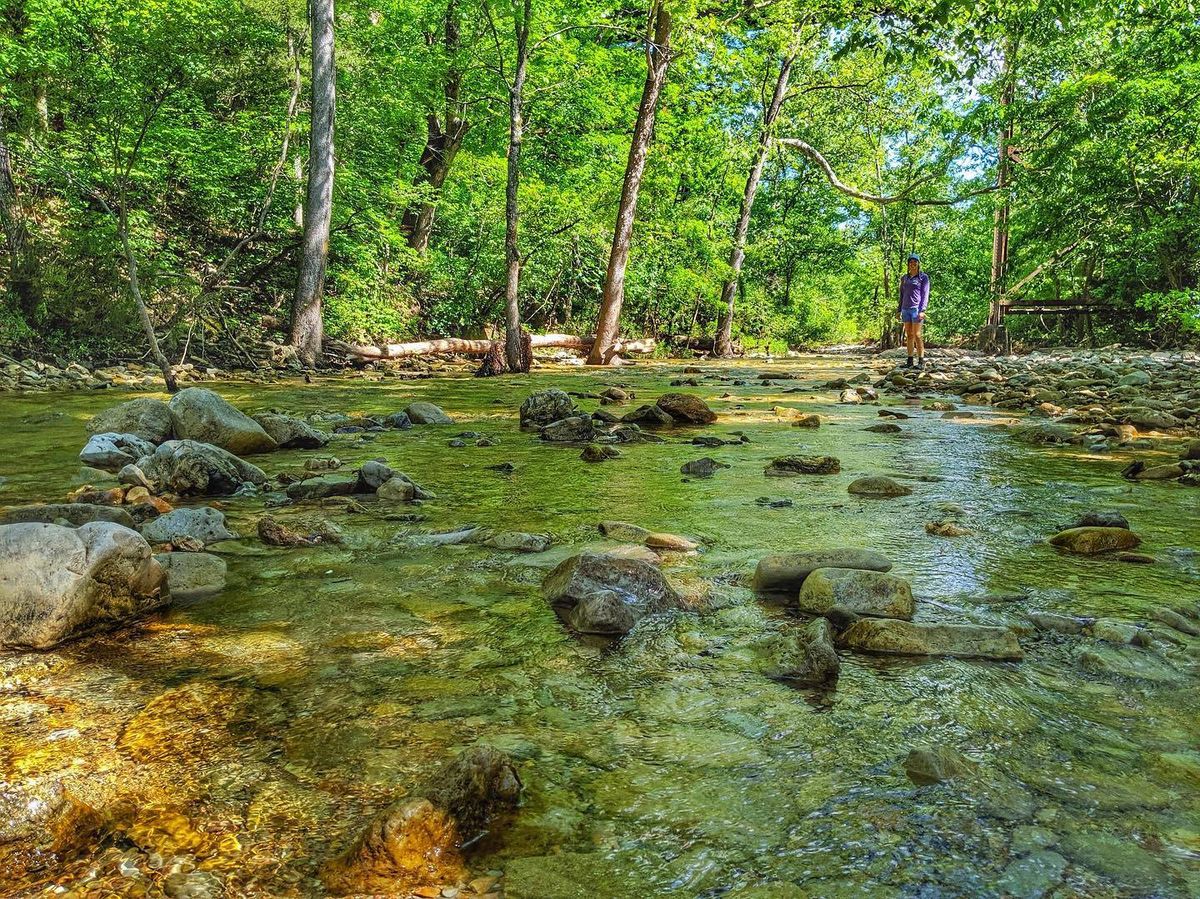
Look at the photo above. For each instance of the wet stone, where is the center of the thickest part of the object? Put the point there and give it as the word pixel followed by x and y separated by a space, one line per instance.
pixel 791 466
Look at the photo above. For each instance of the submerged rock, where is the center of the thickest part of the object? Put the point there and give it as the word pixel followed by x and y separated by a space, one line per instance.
pixel 57 583
pixel 599 593
pixel 188 468
pixel 1094 540
pixel 1120 860
pixel 546 406
pixel 204 524
pixel 291 433
pixel 147 418
pixel 111 452
pixel 622 530
pixel 926 765
pixel 804 656
pixel 193 575
pixel 418 841
pixel 894 637
pixel 686 408
pixel 858 591
pixel 307 533
pixel 790 466
pixel 702 468
pixel 593 452
pixel 785 572
pixel 878 487
pixel 200 414
pixel 1101 520
pixel 518 541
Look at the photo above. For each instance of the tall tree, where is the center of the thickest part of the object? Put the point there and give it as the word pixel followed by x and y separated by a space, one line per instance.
pixel 658 59
pixel 723 345
pixel 22 262
pixel 307 320
pixel 444 134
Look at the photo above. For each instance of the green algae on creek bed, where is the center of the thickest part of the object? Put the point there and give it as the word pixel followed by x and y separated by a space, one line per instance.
pixel 323 682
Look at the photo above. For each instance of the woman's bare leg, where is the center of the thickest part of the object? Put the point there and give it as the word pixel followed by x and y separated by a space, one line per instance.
pixel 918 339
pixel 910 337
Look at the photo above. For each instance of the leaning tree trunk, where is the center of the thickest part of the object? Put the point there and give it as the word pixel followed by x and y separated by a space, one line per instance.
pixel 515 356
pixel 723 346
pixel 307 324
pixel 444 137
pixel 658 58
pixel 1003 177
pixel 135 291
pixel 22 263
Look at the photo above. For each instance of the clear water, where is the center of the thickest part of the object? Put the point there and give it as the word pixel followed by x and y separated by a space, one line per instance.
pixel 253 735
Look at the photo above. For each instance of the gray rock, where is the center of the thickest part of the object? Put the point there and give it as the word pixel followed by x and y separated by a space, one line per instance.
pixel 396 490
pixel 702 468
pixel 73 514
pixel 518 541
pixel 1091 541
pixel 189 468
pixel 1127 663
pixel 652 416
pixel 891 636
pixel 686 408
pixel 577 429
pixel 622 530
pixel 805 656
pixel 1135 378
pixel 398 421
pixel 322 487
pixel 785 572
pixel 878 487
pixel 144 417
pixel 1059 624
pixel 637 585
pixel 861 592
pixel 204 524
pixel 291 433
pixel 422 413
pixel 1101 520
pixel 1173 619
pixel 57 583
pixel 204 416
pixel 373 475
pixel 546 406
pixel 193 575
pixel 112 452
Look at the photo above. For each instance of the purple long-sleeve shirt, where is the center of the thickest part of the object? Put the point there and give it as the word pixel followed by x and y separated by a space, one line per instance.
pixel 914 292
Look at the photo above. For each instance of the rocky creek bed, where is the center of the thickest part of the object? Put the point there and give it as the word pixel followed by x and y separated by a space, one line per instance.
pixel 798 656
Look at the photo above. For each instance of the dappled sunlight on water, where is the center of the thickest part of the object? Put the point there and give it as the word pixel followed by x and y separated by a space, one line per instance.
pixel 253 734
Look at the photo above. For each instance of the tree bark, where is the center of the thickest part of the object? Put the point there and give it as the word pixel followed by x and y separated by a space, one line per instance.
pixel 136 292
pixel 1003 177
pixel 23 267
pixel 307 323
pixel 464 347
pixel 723 346
pixel 514 355
pixel 444 137
pixel 658 58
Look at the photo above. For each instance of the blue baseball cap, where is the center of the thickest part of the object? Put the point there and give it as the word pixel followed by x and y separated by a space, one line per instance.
pixel 913 257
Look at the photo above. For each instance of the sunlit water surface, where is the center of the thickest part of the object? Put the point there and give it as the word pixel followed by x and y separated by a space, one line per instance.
pixel 255 733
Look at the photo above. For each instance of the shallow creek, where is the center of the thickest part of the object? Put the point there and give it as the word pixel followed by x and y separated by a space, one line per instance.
pixel 254 734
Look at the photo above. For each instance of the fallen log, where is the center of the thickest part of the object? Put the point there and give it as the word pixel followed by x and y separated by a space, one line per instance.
pixel 464 347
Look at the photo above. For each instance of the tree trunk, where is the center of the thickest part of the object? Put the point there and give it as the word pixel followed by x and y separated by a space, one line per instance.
pixel 658 58
pixel 737 254
pixel 445 136
pixel 307 324
pixel 22 263
pixel 514 355
pixel 136 292
pixel 465 347
pixel 1003 177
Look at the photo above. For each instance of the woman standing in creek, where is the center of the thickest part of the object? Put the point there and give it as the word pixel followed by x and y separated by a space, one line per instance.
pixel 914 297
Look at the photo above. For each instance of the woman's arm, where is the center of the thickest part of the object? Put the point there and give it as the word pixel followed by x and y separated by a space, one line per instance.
pixel 924 295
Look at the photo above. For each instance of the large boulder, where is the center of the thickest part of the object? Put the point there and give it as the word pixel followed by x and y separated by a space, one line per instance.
pixel 144 417
pixel 891 636
pixel 189 468
pixel 785 572
pixel 546 406
pixel 650 416
pixel 686 408
pixel 193 575
pixel 204 524
pixel 72 514
pixel 291 433
pixel 1089 541
pixel 598 593
pixel 201 415
pixel 422 413
pixel 57 583
pixel 111 451
pixel 861 592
